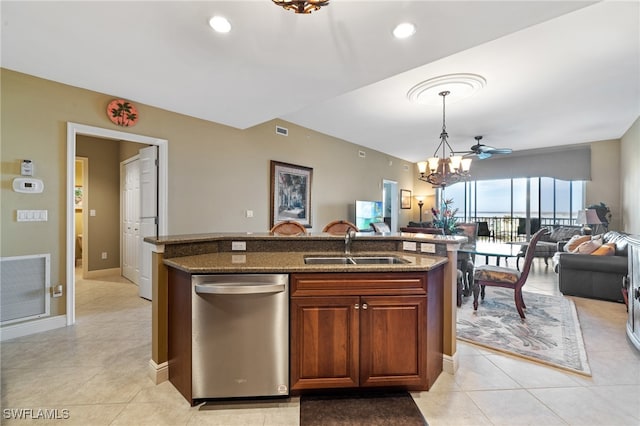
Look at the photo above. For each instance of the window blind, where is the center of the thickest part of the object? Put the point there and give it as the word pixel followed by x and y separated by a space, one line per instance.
pixel 566 164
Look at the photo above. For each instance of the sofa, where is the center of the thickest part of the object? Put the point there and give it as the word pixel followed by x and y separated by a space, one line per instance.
pixel 593 276
pixel 548 244
pixel 421 227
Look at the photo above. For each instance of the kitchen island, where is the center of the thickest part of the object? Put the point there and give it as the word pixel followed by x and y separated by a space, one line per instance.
pixel 422 284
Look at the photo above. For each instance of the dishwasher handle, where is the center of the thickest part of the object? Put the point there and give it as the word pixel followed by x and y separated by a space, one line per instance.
pixel 222 288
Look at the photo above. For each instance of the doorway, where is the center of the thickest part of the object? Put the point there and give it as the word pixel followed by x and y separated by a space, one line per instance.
pixel 73 130
pixel 390 203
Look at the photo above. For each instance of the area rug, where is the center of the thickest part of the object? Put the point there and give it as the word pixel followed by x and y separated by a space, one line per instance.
pixel 370 409
pixel 550 333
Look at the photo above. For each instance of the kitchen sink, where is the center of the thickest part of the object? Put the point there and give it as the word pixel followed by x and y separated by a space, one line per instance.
pixel 378 260
pixel 327 260
pixel 354 260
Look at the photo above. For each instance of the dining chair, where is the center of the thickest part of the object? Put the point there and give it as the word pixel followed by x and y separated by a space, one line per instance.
pixel 484 231
pixel 466 260
pixel 288 227
pixel 339 227
pixel 500 276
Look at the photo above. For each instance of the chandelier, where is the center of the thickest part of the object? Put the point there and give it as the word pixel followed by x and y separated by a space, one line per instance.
pixel 445 170
pixel 301 6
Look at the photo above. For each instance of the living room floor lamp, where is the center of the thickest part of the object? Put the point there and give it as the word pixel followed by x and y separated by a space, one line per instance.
pixel 420 199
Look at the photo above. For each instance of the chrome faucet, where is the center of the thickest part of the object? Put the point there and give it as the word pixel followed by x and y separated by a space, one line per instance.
pixel 348 239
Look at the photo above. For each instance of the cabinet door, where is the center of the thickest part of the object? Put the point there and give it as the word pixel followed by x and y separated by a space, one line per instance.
pixel 324 342
pixel 393 341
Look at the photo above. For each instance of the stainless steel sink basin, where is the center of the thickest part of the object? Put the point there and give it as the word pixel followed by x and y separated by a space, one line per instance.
pixel 378 260
pixel 328 260
pixel 353 260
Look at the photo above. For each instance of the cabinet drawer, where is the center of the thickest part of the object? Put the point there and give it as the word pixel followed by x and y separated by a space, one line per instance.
pixel 359 284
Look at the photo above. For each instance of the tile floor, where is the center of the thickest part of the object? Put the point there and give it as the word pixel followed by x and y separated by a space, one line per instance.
pixel 95 373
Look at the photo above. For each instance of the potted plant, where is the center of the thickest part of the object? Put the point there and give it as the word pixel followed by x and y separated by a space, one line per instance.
pixel 445 217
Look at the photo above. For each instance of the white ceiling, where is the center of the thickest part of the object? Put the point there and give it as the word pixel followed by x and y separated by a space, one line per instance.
pixel 558 73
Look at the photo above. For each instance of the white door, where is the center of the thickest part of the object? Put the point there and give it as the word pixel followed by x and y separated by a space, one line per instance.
pixel 148 214
pixel 131 221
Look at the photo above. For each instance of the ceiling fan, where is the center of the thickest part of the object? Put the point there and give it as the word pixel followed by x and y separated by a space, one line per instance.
pixel 483 151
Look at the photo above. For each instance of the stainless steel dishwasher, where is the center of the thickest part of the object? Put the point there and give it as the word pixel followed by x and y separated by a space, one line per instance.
pixel 240 335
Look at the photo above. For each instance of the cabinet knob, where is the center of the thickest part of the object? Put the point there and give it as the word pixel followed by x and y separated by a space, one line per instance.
pixel 356 306
pixel 364 306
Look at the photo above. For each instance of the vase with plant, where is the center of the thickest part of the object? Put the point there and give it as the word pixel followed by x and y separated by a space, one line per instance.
pixel 445 217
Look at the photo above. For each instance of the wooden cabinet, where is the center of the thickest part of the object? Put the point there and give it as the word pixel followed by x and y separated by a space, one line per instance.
pixel 366 330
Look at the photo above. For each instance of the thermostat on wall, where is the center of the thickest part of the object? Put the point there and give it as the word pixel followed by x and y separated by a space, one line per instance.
pixel 28 185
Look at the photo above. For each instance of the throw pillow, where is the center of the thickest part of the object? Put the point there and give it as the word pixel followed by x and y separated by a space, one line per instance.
pixel 608 249
pixel 588 247
pixel 575 241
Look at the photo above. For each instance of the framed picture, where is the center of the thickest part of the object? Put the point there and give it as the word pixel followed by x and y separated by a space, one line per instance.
pixel 290 193
pixel 405 199
pixel 78 197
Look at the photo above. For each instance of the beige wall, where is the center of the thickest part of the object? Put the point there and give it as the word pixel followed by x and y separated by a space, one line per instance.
pixel 103 196
pixel 630 178
pixel 215 172
pixel 604 185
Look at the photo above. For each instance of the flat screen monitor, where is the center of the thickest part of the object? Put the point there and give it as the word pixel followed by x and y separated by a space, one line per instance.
pixel 368 212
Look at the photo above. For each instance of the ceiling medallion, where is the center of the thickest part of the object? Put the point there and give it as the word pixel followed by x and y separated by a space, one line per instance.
pixel 122 113
pixel 301 6
pixel 460 86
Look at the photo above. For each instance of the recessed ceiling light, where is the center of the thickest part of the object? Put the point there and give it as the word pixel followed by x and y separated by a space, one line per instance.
pixel 404 30
pixel 220 24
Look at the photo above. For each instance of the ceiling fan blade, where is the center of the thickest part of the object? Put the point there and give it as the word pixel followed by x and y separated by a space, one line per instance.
pixel 484 155
pixel 499 150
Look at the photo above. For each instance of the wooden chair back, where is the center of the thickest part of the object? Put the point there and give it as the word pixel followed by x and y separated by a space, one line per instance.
pixel 339 227
pixel 288 227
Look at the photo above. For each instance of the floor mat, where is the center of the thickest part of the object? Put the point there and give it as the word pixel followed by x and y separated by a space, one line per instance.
pixel 389 409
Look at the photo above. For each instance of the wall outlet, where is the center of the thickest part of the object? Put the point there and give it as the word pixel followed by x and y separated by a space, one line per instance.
pixel 104 255
pixel 248 213
pixel 238 245
pixel 409 245
pixel 427 248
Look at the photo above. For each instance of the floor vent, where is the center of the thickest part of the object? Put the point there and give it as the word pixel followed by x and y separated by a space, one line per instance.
pixel 283 131
pixel 24 287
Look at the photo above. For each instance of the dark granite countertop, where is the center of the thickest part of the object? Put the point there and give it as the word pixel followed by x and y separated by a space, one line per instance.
pixel 266 236
pixel 286 262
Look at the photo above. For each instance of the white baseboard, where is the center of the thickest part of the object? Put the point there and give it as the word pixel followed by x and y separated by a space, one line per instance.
pixel 31 327
pixel 99 273
pixel 450 363
pixel 158 373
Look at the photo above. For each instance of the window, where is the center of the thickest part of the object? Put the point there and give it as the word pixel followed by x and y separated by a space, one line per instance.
pixel 503 202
